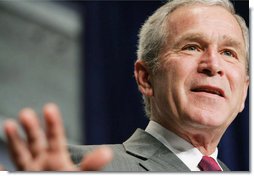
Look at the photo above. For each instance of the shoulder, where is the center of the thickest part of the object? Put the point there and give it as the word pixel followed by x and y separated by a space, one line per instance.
pixel 122 161
pixel 141 152
pixel 77 152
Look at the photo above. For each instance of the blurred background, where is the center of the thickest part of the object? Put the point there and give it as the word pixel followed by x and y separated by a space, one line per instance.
pixel 80 55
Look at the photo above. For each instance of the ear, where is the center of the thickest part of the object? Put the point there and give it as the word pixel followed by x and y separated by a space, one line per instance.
pixel 245 92
pixel 143 77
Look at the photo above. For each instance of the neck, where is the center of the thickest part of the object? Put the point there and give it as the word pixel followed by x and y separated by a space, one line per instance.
pixel 203 138
pixel 205 143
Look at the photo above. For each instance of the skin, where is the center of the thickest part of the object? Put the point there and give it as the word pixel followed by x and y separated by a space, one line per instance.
pixel 205 51
pixel 214 58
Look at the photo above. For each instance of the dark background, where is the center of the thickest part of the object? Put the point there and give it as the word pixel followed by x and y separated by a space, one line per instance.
pixel 111 103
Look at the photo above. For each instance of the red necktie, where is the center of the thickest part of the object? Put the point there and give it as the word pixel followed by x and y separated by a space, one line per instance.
pixel 208 164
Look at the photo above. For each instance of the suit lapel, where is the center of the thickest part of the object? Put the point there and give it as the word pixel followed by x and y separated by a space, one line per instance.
pixel 224 167
pixel 153 154
pixel 164 160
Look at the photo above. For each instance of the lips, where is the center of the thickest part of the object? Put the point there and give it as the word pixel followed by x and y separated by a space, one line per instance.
pixel 210 90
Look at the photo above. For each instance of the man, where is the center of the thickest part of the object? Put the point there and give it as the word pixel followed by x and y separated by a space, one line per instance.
pixel 192 70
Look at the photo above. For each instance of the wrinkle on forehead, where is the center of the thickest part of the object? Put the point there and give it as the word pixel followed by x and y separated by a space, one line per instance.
pixel 209 21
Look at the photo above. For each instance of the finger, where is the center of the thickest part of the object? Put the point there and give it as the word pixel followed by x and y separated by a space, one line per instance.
pixel 35 137
pixel 18 149
pixel 54 128
pixel 97 159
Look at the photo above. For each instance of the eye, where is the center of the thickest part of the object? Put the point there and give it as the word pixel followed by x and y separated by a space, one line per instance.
pixel 191 48
pixel 229 53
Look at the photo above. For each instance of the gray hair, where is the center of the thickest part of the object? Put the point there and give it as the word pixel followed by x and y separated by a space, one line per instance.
pixel 154 32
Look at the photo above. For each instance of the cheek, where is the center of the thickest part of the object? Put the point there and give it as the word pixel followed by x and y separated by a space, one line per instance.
pixel 237 82
pixel 167 84
pixel 178 73
pixel 177 69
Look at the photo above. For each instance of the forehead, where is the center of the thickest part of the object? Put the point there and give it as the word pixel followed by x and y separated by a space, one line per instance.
pixel 213 21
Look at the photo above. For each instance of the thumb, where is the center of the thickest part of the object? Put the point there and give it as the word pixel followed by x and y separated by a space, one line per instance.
pixel 97 159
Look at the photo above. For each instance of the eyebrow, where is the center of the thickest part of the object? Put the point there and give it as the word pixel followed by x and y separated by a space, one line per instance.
pixel 190 37
pixel 229 41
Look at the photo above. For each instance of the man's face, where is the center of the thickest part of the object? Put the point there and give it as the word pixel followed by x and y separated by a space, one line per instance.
pixel 202 80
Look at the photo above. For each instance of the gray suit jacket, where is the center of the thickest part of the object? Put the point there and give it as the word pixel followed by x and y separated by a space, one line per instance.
pixel 141 152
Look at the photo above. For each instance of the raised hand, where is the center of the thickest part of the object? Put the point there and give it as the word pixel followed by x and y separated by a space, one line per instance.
pixel 47 150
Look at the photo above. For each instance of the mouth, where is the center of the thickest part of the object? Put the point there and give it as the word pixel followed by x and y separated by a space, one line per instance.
pixel 210 90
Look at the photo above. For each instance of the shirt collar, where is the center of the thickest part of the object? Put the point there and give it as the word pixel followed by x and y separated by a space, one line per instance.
pixel 180 147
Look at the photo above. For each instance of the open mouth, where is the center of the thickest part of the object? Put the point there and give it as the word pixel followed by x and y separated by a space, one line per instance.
pixel 209 89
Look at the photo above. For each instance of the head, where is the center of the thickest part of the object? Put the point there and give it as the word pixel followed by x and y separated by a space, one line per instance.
pixel 192 63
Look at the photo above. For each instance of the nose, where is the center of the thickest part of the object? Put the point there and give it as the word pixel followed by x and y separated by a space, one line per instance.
pixel 210 64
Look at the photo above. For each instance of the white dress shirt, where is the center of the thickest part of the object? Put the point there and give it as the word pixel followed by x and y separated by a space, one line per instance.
pixel 186 152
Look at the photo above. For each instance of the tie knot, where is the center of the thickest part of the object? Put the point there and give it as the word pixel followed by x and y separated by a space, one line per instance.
pixel 208 164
